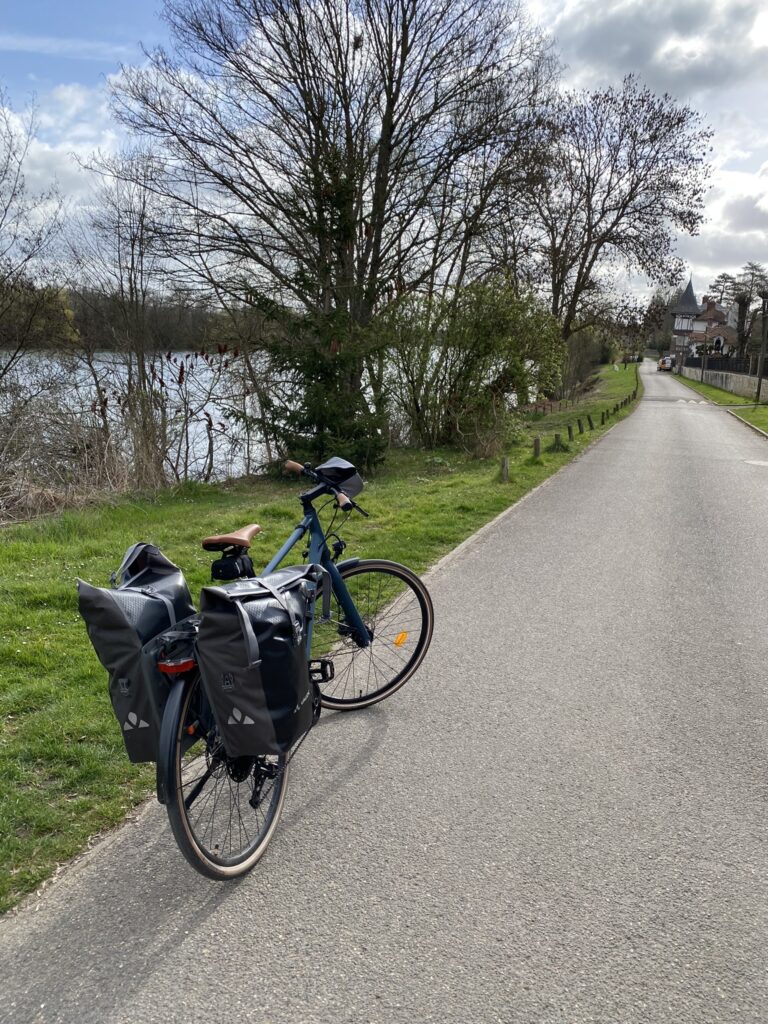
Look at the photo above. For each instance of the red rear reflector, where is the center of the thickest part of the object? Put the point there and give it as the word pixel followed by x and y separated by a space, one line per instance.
pixel 172 668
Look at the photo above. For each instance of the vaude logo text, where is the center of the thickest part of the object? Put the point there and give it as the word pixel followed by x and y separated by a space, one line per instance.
pixel 301 703
pixel 134 722
pixel 238 718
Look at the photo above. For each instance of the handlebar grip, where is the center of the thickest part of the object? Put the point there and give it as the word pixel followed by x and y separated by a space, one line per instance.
pixel 293 467
pixel 343 501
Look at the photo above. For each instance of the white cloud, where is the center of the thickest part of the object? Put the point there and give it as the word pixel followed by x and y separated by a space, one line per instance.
pixel 759 33
pixel 711 54
pixel 79 49
pixel 72 122
pixel 715 53
pixel 683 46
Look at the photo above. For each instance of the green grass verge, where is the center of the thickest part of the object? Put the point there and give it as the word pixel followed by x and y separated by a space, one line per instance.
pixel 758 417
pixel 63 773
pixel 716 395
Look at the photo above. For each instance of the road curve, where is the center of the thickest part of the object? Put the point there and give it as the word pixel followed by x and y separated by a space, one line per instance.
pixel 561 818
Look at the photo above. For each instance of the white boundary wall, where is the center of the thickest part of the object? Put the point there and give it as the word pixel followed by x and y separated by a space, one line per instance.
pixel 738 383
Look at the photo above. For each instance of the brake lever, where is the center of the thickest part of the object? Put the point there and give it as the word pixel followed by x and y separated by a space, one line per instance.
pixel 360 510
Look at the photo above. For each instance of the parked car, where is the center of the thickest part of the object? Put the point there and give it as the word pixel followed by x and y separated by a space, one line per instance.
pixel 666 363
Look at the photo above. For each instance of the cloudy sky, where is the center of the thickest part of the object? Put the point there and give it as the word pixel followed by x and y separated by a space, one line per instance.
pixel 712 54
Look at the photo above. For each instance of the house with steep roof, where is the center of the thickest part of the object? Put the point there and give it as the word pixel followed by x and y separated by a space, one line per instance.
pixel 685 312
pixel 709 325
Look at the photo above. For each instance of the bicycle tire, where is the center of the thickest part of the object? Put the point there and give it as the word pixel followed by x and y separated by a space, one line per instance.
pixel 223 811
pixel 397 609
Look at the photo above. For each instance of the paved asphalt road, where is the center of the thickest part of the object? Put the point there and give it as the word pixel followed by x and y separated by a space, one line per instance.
pixel 561 818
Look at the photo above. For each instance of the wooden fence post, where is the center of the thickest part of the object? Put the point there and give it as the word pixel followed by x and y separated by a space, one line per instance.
pixel 589 421
pixel 580 424
pixel 537 447
pixel 505 469
pixel 570 431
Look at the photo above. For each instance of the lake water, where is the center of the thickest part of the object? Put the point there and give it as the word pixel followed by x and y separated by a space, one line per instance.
pixel 204 410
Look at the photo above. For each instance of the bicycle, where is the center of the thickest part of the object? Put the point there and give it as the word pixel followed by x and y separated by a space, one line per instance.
pixel 223 811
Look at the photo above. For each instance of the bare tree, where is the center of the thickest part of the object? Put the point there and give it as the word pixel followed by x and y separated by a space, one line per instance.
pixel 626 171
pixel 31 314
pixel 158 375
pixel 746 291
pixel 116 272
pixel 324 157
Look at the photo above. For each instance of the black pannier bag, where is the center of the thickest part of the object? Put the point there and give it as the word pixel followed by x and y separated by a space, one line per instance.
pixel 123 626
pixel 252 653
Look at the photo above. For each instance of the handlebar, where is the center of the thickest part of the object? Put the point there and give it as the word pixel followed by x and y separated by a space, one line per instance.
pixel 345 503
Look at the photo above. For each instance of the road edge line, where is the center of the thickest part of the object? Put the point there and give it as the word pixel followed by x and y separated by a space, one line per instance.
pixel 684 380
pixel 746 423
pixel 486 527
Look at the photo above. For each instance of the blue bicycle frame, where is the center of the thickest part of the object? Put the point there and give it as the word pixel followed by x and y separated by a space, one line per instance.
pixel 320 555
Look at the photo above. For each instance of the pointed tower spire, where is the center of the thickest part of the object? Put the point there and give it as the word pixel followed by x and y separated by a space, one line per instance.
pixel 688 303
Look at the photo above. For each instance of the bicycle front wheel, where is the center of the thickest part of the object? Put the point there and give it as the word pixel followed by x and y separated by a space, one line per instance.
pixel 223 810
pixel 397 610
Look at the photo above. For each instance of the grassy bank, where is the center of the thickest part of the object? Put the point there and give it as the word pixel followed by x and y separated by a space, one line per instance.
pixel 63 774
pixel 757 416
pixel 744 408
pixel 716 395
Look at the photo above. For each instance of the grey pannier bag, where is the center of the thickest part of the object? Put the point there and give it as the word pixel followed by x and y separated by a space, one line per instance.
pixel 252 653
pixel 122 624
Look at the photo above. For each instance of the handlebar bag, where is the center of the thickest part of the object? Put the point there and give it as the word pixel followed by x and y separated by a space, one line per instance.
pixel 151 598
pixel 252 653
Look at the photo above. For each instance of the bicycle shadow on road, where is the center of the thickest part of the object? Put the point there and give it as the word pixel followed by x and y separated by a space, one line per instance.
pixel 125 899
pixel 106 923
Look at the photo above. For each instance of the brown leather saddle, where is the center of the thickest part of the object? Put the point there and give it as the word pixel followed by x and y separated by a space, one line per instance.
pixel 238 539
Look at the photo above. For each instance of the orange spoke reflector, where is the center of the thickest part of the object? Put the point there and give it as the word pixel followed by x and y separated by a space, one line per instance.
pixel 171 668
pixel 400 639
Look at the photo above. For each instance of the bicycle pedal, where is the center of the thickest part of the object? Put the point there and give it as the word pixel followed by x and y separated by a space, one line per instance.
pixel 321 671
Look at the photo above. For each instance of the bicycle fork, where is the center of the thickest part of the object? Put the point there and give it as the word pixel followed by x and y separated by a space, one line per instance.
pixel 358 629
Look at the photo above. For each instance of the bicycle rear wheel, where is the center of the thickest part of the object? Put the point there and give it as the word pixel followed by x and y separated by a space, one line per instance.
pixel 397 610
pixel 223 811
